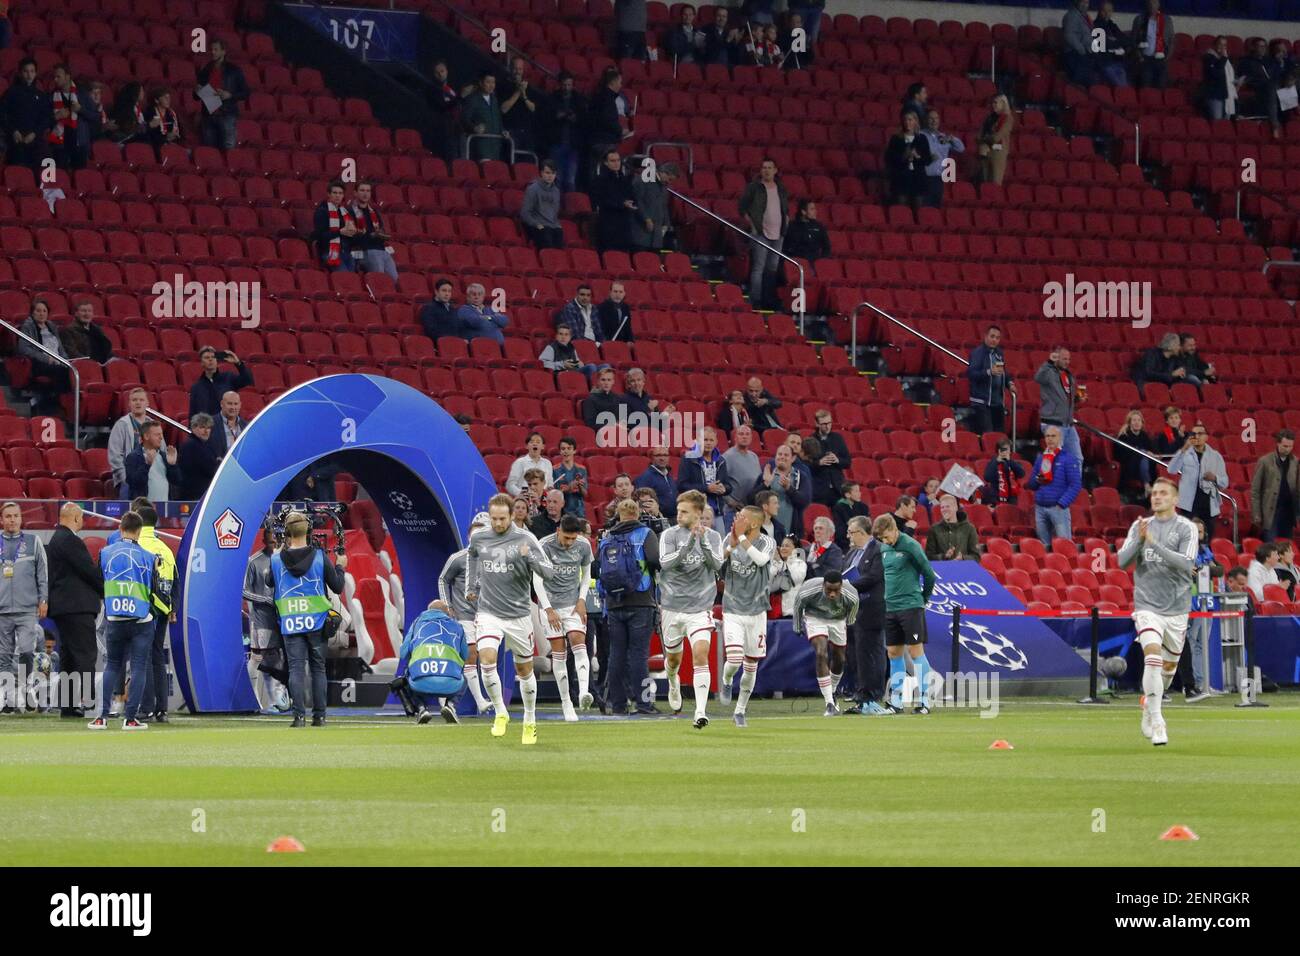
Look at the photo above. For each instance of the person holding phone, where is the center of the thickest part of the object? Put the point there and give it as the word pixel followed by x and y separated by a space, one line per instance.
pixel 205 394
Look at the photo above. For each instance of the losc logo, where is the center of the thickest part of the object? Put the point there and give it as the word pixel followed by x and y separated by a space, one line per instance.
pixel 229 529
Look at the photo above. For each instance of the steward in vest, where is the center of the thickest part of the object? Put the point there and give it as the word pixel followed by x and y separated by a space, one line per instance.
pixel 155 695
pixel 432 659
pixel 129 580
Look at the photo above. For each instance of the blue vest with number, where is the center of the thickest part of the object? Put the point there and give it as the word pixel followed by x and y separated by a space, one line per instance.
pixel 434 652
pixel 128 579
pixel 300 602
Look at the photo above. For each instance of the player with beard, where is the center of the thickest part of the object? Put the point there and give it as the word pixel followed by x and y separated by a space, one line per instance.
pixel 746 581
pixel 451 591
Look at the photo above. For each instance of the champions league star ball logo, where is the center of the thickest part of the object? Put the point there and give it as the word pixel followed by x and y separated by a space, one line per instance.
pixel 984 643
pixel 402 502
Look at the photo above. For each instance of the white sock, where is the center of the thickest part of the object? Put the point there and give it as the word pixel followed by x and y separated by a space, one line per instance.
pixel 528 690
pixel 492 681
pixel 561 671
pixel 1168 677
pixel 835 682
pixel 732 665
pixel 471 678
pixel 1153 685
pixel 747 681
pixel 675 679
pixel 824 685
pixel 582 665
pixel 701 690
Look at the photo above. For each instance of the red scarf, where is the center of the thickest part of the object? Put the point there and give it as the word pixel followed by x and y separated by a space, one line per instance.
pixel 1045 472
pixel 215 71
pixel 1160 32
pixel 139 114
pixel 63 101
pixel 339 217
pixel 1008 487
pixel 367 220
pixel 817 551
pixel 169 122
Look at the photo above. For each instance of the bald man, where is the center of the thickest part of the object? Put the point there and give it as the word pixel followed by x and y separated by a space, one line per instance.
pixel 76 593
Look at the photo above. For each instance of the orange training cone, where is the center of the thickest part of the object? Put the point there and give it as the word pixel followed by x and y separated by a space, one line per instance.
pixel 1001 745
pixel 285 844
pixel 1178 832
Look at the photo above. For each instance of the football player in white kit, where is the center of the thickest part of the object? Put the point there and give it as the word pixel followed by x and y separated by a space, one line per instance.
pixel 690 557
pixel 564 608
pixel 451 592
pixel 745 601
pixel 1163 550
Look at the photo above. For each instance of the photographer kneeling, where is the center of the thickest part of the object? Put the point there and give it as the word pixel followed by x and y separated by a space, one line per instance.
pixel 298 578
pixel 432 658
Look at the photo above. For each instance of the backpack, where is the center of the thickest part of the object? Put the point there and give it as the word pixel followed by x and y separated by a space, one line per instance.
pixel 619 562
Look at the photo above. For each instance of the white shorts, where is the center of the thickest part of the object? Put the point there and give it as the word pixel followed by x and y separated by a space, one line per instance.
pixel 569 623
pixel 516 631
pixel 471 632
pixel 678 626
pixel 747 630
pixel 1171 631
pixel 836 632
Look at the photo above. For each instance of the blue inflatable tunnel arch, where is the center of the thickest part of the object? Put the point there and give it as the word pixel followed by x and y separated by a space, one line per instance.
pixel 417 463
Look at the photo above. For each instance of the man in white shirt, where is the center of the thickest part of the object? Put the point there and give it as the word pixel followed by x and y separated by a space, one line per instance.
pixel 1263 570
pixel 516 484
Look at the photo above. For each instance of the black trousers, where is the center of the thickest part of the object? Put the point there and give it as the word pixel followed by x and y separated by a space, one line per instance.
pixel 868 639
pixel 985 418
pixel 155 688
pixel 77 648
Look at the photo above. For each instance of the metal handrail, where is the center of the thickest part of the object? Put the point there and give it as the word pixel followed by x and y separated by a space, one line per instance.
pixel 853 338
pixel 170 421
pixel 1281 264
pixel 1236 538
pixel 1259 189
pixel 744 232
pixel 690 152
pixel 510 47
pixel 473 136
pixel 76 379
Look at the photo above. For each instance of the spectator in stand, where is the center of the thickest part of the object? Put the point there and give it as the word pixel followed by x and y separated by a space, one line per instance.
pixel 906 159
pixel 464 421
pixel 616 315
pixel 228 425
pixel 567 110
pixel 1076 30
pixel 1002 477
pixel 1172 437
pixel 1161 363
pixel 789 571
pixel 50 378
pixel 653 227
pixel 1198 370
pixel 197 459
pixel 580 316
pixel 769 502
pixel 1219 81
pixel 799 52
pixel 440 317
pixel 372 249
pixel 616 209
pixel 954 538
pixel 764 47
pixel 1275 490
pixel 622 489
pixel 1202 474
pixel 987 374
pixel 519 110
pixel 807 238
pixel 1136 472
pixel 995 140
pixel 716 49
pixel 571 478
pixel 703 469
pixel 1108 63
pixel 659 478
pixel 601 402
pixel 637 399
pixel 444 102
pixel 942 145
pixel 829 467
pixel 761 405
pixel 93 122
pixel 905 515
pixel 651 515
pixel 608 119
pixel 25 118
pixel 824 554
pixel 763 208
pixel 629 29
pixel 1263 570
pixel 161 123
pixel 125 436
pixel 561 356
pixel 151 469
pixel 128 113
pixel 1056 481
pixel 332 228
pixel 792 486
pixel 477 321
pixel 227 81
pixel 1153 36
pixel 480 115
pixel 916 101
pixel 82 338
pixel 929 495
pixel 683 43
pixel 1237 580
pixel 520 514
pixel 850 505
pixel 65 144
pixel 548 518
pixel 6 31
pixel 212 385
pixel 744 469
pixel 516 481
pixel 1059 393
pixel 733 414
pixel 1288 575
pixel 540 213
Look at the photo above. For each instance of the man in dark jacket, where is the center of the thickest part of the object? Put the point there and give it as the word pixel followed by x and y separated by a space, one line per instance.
pixel 480 113
pixel 1198 370
pixel 228 425
pixel 828 470
pixel 602 400
pixel 439 316
pixel 198 459
pixel 567 111
pixel 227 81
pixel 703 469
pixel 82 338
pixel 608 117
pixel 1058 391
pixel 25 116
pixel 1153 38
pixel 151 469
pixel 444 102
pixel 765 210
pixel 906 158
pixel 522 107
pixel 824 554
pixel 1002 477
pixel 652 227
pixel 987 373
pixel 205 394
pixel 76 595
pixel 616 315
pixel 1162 363
pixel 659 478
pixel 631 616
pixel 864 569
pixel 850 505
pixel 715 38
pixel 616 209
pixel 762 406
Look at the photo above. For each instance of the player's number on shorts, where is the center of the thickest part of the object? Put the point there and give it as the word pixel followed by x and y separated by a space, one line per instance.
pixel 431 668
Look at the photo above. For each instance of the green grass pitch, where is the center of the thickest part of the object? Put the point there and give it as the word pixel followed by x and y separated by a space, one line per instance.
pixel 792 788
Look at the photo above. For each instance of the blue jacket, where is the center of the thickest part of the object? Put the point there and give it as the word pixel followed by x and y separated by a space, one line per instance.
pixel 985 389
pixel 665 487
pixel 1066 483
pixel 690 477
pixel 444 674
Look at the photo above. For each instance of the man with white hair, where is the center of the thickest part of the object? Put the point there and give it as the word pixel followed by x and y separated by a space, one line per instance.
pixel 478 320
pixel 548 519
pixel 824 555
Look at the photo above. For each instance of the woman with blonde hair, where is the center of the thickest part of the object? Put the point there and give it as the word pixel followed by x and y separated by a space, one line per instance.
pixel 995 139
pixel 1135 471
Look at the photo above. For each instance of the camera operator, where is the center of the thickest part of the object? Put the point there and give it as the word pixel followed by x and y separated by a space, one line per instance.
pixel 299 577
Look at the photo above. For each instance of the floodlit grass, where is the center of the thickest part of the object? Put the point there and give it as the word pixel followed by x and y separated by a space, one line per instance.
pixel 792 788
